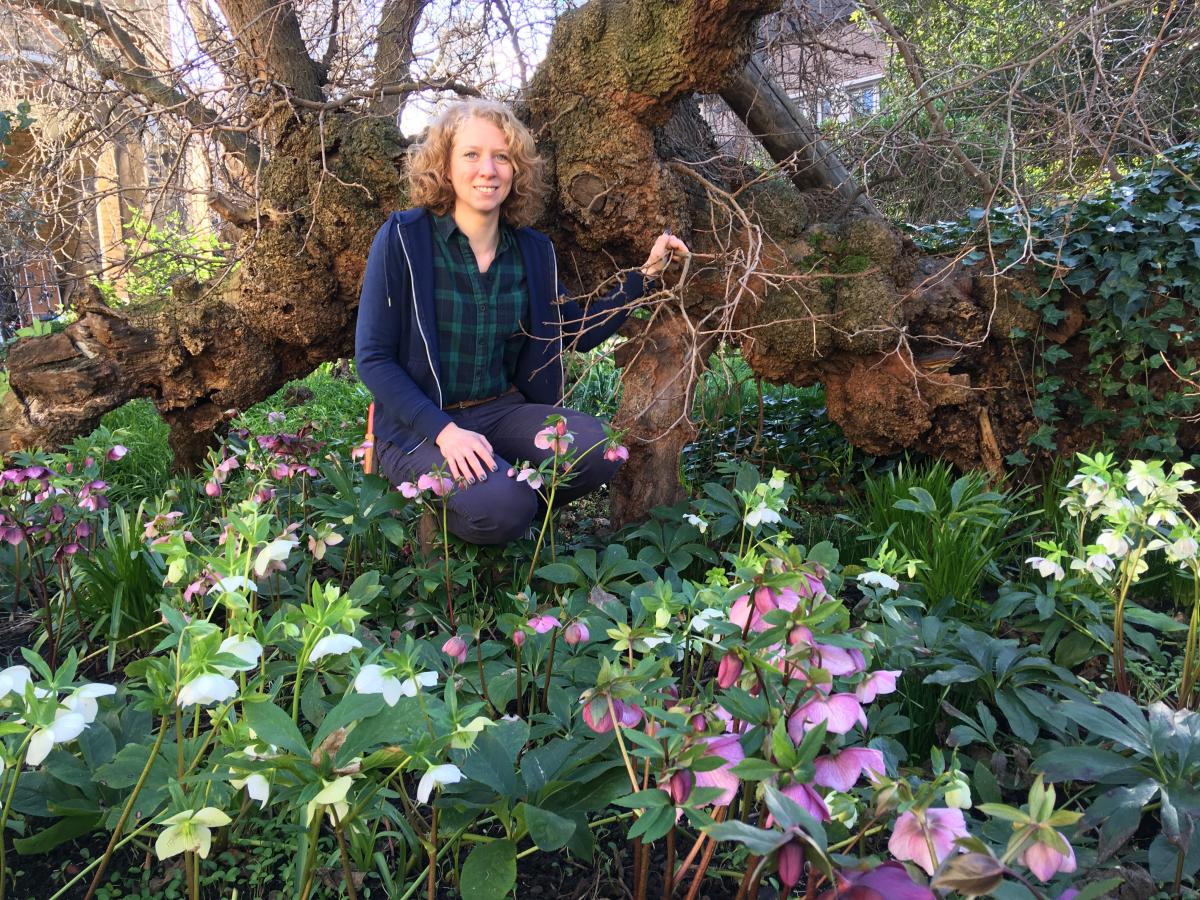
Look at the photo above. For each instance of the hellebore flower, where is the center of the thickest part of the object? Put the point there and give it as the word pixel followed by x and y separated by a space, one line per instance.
pixel 531 477
pixel 765 600
pixel 436 777
pixel 911 838
pixel 760 514
pixel 576 633
pixel 66 727
pixel 679 786
pixel 207 688
pixel 333 797
pixel 372 679
pixel 840 660
pixel 959 794
pixel 839 712
pixel 456 649
pixel 1046 861
pixel 889 881
pixel 410 490
pixel 360 452
pixel 247 649
pixel 13 680
pixel 257 787
pixel 542 624
pixel 596 714
pixel 212 488
pixel 729 671
pixel 518 638
pixel 117 451
pixel 233 583
pixel 274 555
pixel 841 771
pixel 880 580
pixel 879 682
pixel 729 748
pixel 83 699
pixel 333 645
pixel 1046 568
pixel 189 831
pixel 692 519
pixel 791 864
pixel 440 486
pixel 552 439
pixel 616 453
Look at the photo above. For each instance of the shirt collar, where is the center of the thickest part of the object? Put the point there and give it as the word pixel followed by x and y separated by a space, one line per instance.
pixel 446 227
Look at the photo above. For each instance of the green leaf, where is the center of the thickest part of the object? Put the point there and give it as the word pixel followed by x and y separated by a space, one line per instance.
pixel 60 832
pixel 490 872
pixel 1098 889
pixel 549 831
pixel 652 798
pixel 754 769
pixel 654 824
pixel 757 840
pixel 351 708
pixel 1080 764
pixel 558 573
pixel 274 726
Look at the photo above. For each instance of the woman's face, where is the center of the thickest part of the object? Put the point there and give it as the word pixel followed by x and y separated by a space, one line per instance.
pixel 481 168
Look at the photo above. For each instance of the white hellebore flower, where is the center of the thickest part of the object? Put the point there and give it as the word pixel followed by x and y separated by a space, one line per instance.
pixel 247 649
pixel 704 620
pixel 410 687
pixel 760 514
pixel 13 680
pixel 1114 544
pixel 372 679
pixel 189 830
pixel 436 776
pixel 879 579
pixel 67 726
pixel 332 795
pixel 207 688
pixel 276 551
pixel 1183 549
pixel 83 699
pixel 257 787
pixel 333 645
pixel 693 519
pixel 234 583
pixel 1047 568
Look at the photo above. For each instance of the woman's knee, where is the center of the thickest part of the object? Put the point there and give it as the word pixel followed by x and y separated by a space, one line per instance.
pixel 498 514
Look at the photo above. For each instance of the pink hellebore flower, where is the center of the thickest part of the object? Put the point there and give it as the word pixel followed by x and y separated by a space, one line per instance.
pixel 576 633
pixel 880 682
pixel 679 786
pixel 807 798
pixel 911 839
pixel 840 660
pixel 225 467
pixel 360 452
pixel 889 881
pixel 116 452
pixel 530 476
pixel 440 486
pixel 456 649
pixel 552 439
pixel 212 488
pixel 729 671
pixel 841 771
pixel 518 638
pixel 1045 861
pixel 616 453
pixel 542 624
pixel 729 748
pixel 839 712
pixel 264 495
pixel 280 471
pixel 811 586
pixel 596 715
pixel 410 490
pixel 791 864
pixel 274 418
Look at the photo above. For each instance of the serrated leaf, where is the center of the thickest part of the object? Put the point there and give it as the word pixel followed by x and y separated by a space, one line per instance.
pixel 490 872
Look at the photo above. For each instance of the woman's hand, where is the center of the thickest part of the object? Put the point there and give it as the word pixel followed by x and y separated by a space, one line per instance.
pixel 661 253
pixel 468 453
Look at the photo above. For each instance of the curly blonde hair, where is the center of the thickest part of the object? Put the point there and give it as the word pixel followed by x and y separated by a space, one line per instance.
pixel 429 162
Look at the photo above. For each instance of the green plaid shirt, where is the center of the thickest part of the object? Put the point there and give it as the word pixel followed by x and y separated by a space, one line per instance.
pixel 479 314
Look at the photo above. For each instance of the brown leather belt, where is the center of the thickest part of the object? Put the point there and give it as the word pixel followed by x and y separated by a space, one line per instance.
pixel 467 404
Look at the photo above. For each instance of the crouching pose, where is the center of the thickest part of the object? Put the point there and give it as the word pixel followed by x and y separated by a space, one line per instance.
pixel 461 330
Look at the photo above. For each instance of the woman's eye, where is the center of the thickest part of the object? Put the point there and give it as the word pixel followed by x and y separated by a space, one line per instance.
pixel 470 154
pixel 502 157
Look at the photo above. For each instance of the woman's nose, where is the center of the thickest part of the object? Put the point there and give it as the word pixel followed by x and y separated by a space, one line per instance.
pixel 487 165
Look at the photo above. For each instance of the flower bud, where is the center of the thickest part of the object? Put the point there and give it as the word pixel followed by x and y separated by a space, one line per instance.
pixel 791 864
pixel 560 427
pixel 576 633
pixel 518 638
pixel 456 649
pixel 958 795
pixel 680 786
pixel 729 671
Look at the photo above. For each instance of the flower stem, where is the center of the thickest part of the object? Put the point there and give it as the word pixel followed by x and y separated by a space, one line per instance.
pixel 549 670
pixel 431 883
pixel 633 782
pixel 137 789
pixel 446 551
pixel 12 789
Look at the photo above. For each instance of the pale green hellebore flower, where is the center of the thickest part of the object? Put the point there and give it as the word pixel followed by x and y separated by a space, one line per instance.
pixel 333 794
pixel 190 830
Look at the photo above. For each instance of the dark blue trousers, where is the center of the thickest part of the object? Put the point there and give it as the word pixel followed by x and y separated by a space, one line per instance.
pixel 501 509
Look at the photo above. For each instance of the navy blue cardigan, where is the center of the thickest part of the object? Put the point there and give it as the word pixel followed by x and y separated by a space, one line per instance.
pixel 395 344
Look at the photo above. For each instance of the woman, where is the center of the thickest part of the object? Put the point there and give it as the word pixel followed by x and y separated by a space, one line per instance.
pixel 460 330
